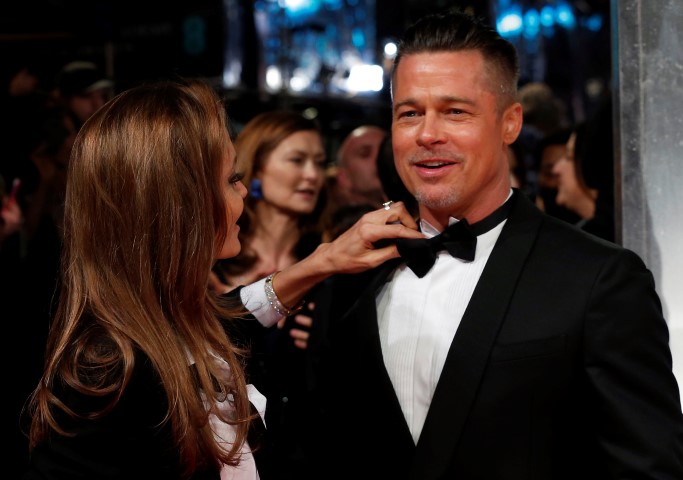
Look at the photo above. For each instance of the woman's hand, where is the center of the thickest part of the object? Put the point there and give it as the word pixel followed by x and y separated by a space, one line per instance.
pixel 353 251
pixel 356 249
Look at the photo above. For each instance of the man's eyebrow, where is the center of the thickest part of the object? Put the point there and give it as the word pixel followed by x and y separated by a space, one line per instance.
pixel 411 102
pixel 405 103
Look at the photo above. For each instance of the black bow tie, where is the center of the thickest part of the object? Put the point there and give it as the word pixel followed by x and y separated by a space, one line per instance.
pixel 459 239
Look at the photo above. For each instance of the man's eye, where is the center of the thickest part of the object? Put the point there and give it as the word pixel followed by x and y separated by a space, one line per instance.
pixel 407 114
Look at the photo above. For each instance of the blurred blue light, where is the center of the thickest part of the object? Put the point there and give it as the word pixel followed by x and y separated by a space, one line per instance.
pixel 564 16
pixel 333 4
pixel 594 22
pixel 547 16
pixel 532 23
pixel 358 38
pixel 296 8
pixel 510 24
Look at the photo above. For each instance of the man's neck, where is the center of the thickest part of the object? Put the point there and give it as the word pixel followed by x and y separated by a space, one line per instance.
pixel 440 219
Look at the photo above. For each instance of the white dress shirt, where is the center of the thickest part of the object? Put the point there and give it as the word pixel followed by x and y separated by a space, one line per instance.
pixel 418 318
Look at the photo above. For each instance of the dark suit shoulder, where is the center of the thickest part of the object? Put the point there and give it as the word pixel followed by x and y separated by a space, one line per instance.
pixel 568 240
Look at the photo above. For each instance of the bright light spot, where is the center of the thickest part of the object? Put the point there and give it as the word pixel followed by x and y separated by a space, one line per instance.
pixel 295 5
pixel 365 78
pixel 390 49
pixel 273 78
pixel 300 81
pixel 509 24
pixel 232 73
pixel 311 113
pixel 300 8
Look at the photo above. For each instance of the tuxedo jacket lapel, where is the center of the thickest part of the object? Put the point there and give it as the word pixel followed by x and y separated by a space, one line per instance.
pixel 472 344
pixel 374 374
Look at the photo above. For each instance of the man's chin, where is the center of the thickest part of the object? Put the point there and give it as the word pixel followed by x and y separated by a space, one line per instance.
pixel 436 201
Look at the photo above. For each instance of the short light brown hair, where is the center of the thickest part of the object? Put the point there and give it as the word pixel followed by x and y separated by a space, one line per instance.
pixel 456 31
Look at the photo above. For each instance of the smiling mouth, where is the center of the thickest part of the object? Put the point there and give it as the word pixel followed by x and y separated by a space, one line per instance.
pixel 434 164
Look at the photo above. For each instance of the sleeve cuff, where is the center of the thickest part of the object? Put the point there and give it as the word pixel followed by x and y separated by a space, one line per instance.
pixel 254 298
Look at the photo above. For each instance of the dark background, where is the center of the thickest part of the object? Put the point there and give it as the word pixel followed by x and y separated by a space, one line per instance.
pixel 139 40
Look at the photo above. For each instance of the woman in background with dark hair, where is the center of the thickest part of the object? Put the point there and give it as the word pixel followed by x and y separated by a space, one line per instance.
pixel 585 175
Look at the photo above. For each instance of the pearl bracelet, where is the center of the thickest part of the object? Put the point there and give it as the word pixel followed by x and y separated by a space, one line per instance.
pixel 275 301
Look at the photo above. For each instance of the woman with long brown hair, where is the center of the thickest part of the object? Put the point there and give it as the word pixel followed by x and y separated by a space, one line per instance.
pixel 141 379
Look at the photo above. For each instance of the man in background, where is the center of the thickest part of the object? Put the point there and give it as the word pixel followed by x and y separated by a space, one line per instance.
pixel 355 179
pixel 83 88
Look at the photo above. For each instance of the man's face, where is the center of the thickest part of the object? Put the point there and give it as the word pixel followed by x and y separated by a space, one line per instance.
pixel 86 104
pixel 450 135
pixel 359 161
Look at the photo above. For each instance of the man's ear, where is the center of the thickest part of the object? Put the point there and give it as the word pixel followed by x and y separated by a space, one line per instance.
pixel 512 123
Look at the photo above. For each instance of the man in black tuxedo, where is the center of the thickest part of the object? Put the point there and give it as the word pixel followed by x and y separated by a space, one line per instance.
pixel 541 354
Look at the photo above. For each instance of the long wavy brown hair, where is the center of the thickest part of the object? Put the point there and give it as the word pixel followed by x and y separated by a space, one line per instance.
pixel 145 214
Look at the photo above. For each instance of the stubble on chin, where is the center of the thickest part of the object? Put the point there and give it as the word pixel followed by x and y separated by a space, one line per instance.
pixel 437 200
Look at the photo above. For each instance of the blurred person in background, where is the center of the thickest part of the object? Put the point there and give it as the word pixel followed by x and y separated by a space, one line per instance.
pixel 82 88
pixel 544 113
pixel 11 217
pixel 11 220
pixel 282 156
pixel 597 161
pixel 586 173
pixel 18 380
pixel 355 180
pixel 76 91
pixel 550 150
pixel 25 101
pixel 572 191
